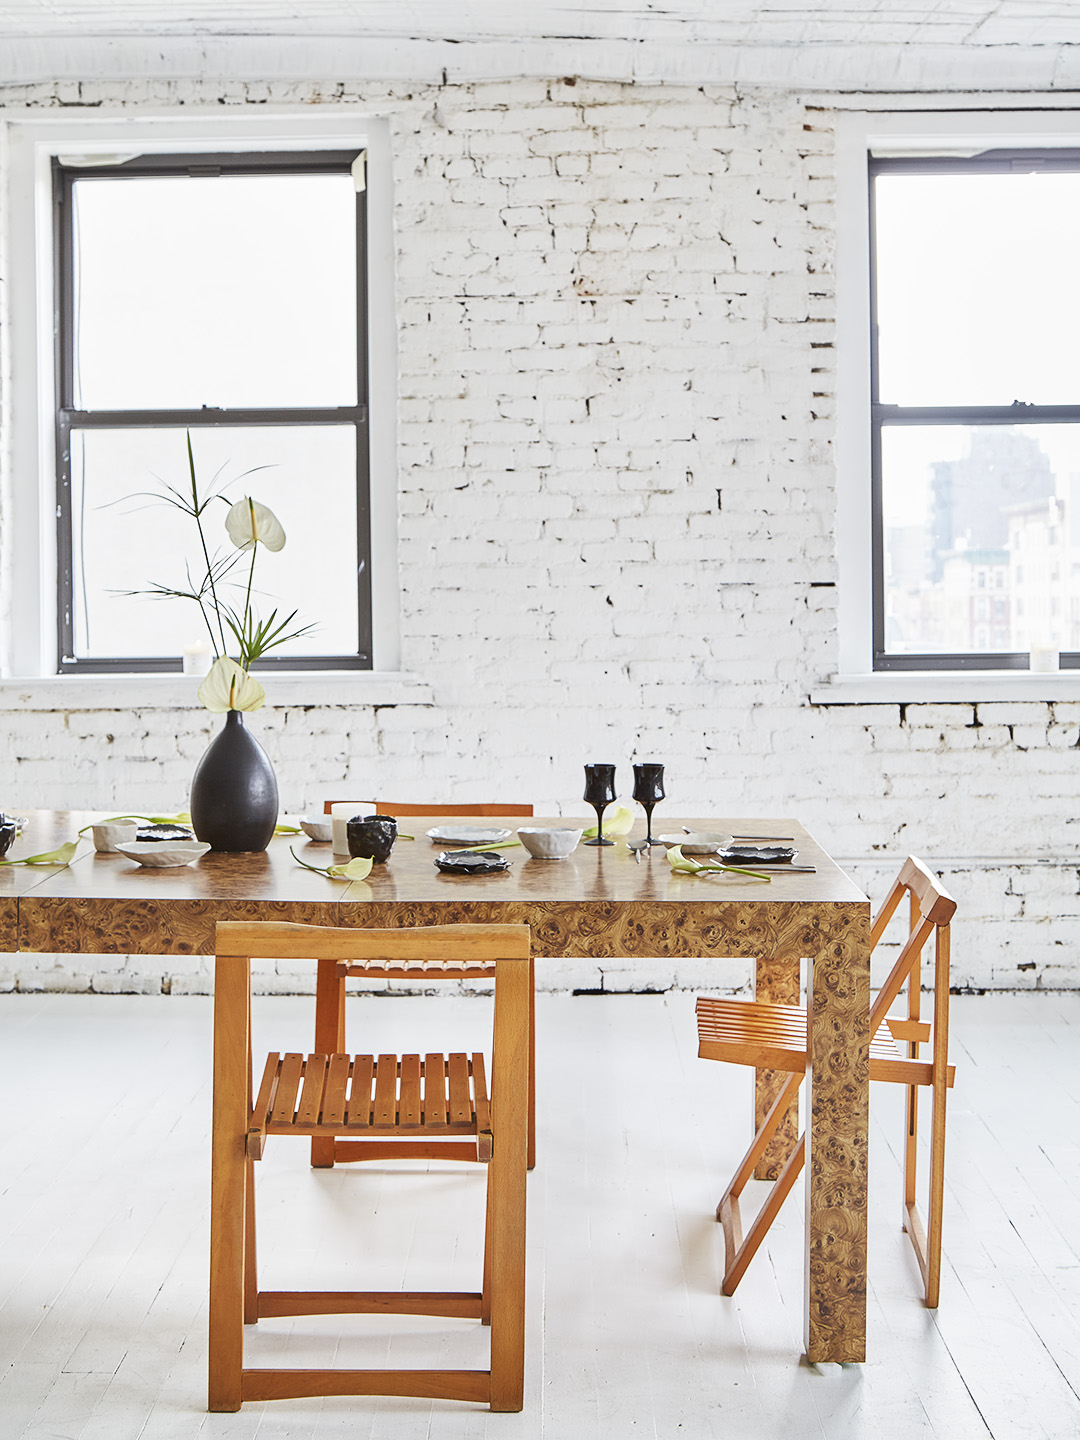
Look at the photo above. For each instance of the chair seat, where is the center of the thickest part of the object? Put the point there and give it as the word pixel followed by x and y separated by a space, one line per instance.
pixel 429 1097
pixel 773 1037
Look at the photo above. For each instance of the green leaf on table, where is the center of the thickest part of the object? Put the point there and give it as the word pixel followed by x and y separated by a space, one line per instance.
pixel 49 857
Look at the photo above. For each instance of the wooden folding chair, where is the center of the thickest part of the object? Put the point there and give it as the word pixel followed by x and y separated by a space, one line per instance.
pixel 439 1101
pixel 330 1011
pixel 775 1037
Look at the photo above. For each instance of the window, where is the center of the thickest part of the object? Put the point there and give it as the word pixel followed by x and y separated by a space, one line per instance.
pixel 975 404
pixel 221 296
pixel 300 427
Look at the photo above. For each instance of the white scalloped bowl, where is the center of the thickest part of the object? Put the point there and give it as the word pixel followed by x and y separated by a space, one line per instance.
pixel 700 842
pixel 319 828
pixel 555 843
pixel 163 854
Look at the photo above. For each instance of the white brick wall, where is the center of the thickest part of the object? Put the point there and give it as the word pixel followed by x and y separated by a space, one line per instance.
pixel 615 302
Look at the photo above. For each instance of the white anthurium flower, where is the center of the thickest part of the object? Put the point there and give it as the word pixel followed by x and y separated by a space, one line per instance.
pixel 229 687
pixel 249 522
pixel 678 861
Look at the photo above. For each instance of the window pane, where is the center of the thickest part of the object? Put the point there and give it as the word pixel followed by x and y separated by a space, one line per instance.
pixel 233 291
pixel 978 290
pixel 981 538
pixel 125 536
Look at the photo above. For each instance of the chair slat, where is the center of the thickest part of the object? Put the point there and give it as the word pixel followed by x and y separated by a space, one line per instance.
pixel 288 1084
pixel 410 1110
pixel 384 1110
pixel 434 1090
pixel 360 1093
pixel 333 1111
pixel 311 1096
pixel 460 1105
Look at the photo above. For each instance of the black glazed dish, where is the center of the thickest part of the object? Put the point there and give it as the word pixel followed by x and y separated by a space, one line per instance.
pixel 170 833
pixel 471 862
pixel 371 837
pixel 8 831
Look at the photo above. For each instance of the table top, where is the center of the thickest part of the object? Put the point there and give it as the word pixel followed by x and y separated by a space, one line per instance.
pixel 109 904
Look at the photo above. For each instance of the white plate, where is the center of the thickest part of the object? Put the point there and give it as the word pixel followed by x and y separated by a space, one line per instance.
pixel 467 835
pixel 701 842
pixel 163 854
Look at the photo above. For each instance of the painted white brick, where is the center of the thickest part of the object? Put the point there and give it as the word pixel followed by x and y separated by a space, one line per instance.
pixel 606 297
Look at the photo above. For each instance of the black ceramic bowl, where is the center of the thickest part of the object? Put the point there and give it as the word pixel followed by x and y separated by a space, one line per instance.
pixel 371 837
pixel 8 830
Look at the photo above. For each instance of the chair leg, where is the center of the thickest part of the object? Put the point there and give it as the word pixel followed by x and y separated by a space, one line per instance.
pixel 251 1270
pixel 739 1252
pixel 485 1296
pixel 228 1187
pixel 736 1265
pixel 531 1161
pixel 329 1039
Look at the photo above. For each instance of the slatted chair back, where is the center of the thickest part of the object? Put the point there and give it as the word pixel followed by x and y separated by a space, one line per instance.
pixel 436 1100
pixel 776 1037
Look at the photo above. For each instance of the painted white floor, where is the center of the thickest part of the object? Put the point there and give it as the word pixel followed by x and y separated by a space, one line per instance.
pixel 103 1237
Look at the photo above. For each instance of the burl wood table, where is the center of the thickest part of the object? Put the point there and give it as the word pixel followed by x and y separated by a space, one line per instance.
pixel 597 903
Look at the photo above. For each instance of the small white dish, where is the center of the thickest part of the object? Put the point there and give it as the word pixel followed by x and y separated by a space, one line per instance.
pixel 163 854
pixel 700 842
pixel 113 833
pixel 467 835
pixel 319 828
pixel 549 843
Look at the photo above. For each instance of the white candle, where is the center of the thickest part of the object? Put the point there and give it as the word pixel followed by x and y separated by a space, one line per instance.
pixel 1044 659
pixel 341 812
pixel 196 658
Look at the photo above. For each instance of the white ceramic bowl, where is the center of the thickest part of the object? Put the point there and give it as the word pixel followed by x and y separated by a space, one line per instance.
pixel 555 843
pixel 161 854
pixel 701 842
pixel 319 828
pixel 112 833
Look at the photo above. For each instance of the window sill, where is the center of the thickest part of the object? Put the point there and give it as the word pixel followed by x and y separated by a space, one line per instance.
pixel 178 692
pixel 914 687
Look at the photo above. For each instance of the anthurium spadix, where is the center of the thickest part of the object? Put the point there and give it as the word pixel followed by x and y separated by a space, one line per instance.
pixel 229 687
pixel 248 523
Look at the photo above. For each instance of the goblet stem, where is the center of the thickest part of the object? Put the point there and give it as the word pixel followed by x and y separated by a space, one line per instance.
pixel 598 839
pixel 648 808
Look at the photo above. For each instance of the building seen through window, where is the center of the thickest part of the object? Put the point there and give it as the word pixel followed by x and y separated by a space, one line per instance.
pixel 976 409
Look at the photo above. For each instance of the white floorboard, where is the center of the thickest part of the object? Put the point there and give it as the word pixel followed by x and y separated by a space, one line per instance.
pixel 104 1177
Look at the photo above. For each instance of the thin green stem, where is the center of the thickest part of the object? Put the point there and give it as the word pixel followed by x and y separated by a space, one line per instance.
pixel 206 556
pixel 245 657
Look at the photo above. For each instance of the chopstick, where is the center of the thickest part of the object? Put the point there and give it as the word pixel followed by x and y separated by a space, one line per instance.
pixel 776 839
pixel 781 867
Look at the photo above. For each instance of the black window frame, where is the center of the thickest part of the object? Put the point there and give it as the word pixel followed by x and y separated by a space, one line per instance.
pixel 1020 412
pixel 68 417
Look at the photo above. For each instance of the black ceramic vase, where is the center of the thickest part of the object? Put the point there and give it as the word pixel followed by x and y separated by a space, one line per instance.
pixel 234 794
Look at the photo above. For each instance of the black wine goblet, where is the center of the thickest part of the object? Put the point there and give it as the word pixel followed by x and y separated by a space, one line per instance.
pixel 599 792
pixel 648 790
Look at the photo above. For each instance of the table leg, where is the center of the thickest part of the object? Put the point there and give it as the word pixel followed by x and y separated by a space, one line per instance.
pixel 329 1038
pixel 776 981
pixel 836 1152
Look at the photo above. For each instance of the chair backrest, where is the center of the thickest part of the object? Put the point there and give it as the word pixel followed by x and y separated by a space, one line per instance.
pixel 395 807
pixel 932 908
pixel 282 940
